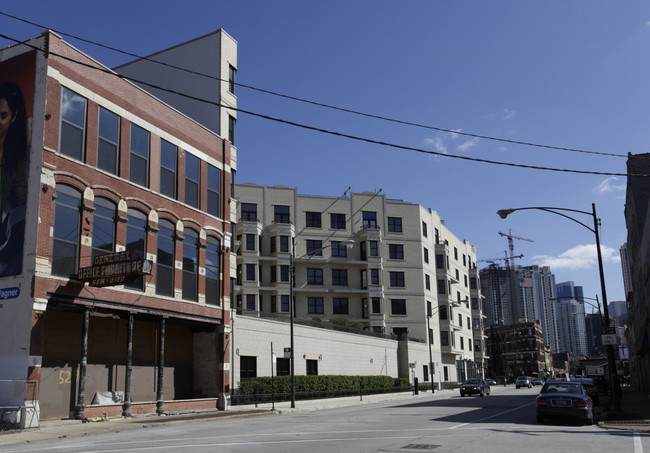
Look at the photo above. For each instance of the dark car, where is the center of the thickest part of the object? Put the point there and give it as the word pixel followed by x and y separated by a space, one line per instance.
pixel 475 387
pixel 564 399
pixel 590 387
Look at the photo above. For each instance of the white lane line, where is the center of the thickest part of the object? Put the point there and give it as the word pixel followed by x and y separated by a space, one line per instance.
pixel 638 447
pixel 491 416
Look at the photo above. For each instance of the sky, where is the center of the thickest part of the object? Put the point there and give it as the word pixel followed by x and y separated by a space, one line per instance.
pixel 568 75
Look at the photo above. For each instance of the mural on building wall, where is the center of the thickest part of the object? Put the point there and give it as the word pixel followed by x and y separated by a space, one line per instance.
pixel 16 99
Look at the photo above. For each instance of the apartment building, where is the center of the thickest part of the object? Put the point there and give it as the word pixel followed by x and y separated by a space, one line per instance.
pixel 386 266
pixel 115 280
pixel 518 350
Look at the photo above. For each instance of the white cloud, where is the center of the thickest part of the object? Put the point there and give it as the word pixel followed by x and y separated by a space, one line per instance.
pixel 579 257
pixel 610 185
pixel 443 142
pixel 509 114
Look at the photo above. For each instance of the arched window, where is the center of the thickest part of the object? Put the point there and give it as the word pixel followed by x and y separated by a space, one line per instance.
pixel 103 227
pixel 165 259
pixel 212 253
pixel 67 218
pixel 136 242
pixel 190 265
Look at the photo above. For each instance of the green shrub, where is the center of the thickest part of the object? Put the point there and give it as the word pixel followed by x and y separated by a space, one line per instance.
pixel 312 384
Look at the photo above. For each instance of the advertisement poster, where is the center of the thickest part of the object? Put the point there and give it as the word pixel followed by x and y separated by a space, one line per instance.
pixel 16 106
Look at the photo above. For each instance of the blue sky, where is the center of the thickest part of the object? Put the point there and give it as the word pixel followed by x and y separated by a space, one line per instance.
pixel 563 74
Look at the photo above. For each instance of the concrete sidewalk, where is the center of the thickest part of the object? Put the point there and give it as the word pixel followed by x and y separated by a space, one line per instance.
pixel 634 414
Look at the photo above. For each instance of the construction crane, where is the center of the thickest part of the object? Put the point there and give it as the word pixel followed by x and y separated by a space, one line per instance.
pixel 511 245
pixel 493 260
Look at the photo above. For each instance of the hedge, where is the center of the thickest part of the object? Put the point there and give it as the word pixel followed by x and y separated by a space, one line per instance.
pixel 328 383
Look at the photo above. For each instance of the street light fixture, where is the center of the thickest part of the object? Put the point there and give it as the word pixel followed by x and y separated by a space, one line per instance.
pixel 611 358
pixel 349 243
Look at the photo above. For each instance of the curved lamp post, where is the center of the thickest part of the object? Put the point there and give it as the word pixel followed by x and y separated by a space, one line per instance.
pixel 611 358
pixel 347 243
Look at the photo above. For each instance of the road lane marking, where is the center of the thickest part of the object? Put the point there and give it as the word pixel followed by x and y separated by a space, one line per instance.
pixel 491 416
pixel 638 447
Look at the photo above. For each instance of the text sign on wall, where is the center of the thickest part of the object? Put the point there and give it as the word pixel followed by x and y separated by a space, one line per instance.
pixel 114 269
pixel 9 293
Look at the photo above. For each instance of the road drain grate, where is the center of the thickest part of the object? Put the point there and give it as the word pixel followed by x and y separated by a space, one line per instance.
pixel 420 447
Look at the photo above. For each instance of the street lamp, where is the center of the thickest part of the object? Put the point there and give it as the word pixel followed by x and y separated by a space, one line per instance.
pixel 347 243
pixel 611 358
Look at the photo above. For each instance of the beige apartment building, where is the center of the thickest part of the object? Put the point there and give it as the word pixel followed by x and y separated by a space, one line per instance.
pixel 388 267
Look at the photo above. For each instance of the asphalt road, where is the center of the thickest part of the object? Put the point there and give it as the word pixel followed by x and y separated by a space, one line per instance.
pixel 502 422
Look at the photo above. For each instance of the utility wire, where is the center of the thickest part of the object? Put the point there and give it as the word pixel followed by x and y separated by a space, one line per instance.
pixel 318 129
pixel 320 104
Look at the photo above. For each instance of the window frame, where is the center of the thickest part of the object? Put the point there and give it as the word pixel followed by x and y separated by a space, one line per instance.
pixel 398 307
pixel 190 267
pixel 397 279
pixel 313 219
pixel 165 271
pixel 136 155
pixel 110 143
pixel 315 305
pixel 192 181
pixel 214 191
pixel 68 200
pixel 337 221
pixel 69 124
pixel 395 225
pixel 168 174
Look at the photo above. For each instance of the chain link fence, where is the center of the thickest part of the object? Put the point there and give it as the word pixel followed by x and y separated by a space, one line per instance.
pixel 19 404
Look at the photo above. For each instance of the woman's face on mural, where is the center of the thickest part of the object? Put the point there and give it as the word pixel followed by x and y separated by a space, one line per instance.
pixel 6 118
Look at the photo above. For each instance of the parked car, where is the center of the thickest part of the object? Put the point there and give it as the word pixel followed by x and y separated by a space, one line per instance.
pixel 475 387
pixel 564 399
pixel 590 387
pixel 523 381
pixel 491 381
pixel 538 382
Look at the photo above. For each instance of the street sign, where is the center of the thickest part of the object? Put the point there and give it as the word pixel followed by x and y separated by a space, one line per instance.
pixel 287 353
pixel 607 330
pixel 609 339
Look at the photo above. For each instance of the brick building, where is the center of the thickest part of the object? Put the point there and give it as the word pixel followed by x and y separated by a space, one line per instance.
pixel 114 185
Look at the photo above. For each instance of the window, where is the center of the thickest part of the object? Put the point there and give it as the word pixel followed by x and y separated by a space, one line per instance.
pixel 373 248
pixel 472 283
pixel 274 274
pixel 337 221
pixel 395 224
pixel 469 343
pixel 282 367
pixel 67 218
pixel 73 124
pixel 232 73
pixel 273 247
pixel 397 279
pixel 284 244
pixel 168 162
pixel 398 306
pixel 190 265
pixel 339 277
pixel 369 219
pixel 249 212
pixel 250 241
pixel 250 272
pixel 424 229
pixel 440 261
pixel 460 320
pixel 281 214
pixel 314 247
pixel 426 255
pixel 139 161
pixel 462 343
pixel 312 367
pixel 465 280
pixel 231 129
pixel 427 281
pixel 442 286
pixel 247 367
pixel 339 249
pixel 340 306
pixel 136 242
pixel 374 276
pixel 192 179
pixel 103 227
pixel 108 143
pixel 313 220
pixel 396 251
pixel 315 305
pixel 284 273
pixel 212 274
pixel 376 305
pixel 165 259
pixel 214 191
pixel 456 253
pixel 400 332
pixel 250 302
pixel 474 303
pixel 442 312
pixel 444 339
pixel 425 372
pixel 314 276
pixel 284 303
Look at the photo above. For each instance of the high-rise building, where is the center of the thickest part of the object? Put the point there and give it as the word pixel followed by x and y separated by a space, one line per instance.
pixel 570 309
pixel 387 266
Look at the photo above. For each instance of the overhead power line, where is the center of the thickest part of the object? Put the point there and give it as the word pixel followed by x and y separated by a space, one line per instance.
pixel 320 104
pixel 314 128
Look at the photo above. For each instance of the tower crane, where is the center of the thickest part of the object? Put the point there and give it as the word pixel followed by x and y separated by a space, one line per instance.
pixel 492 260
pixel 511 245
